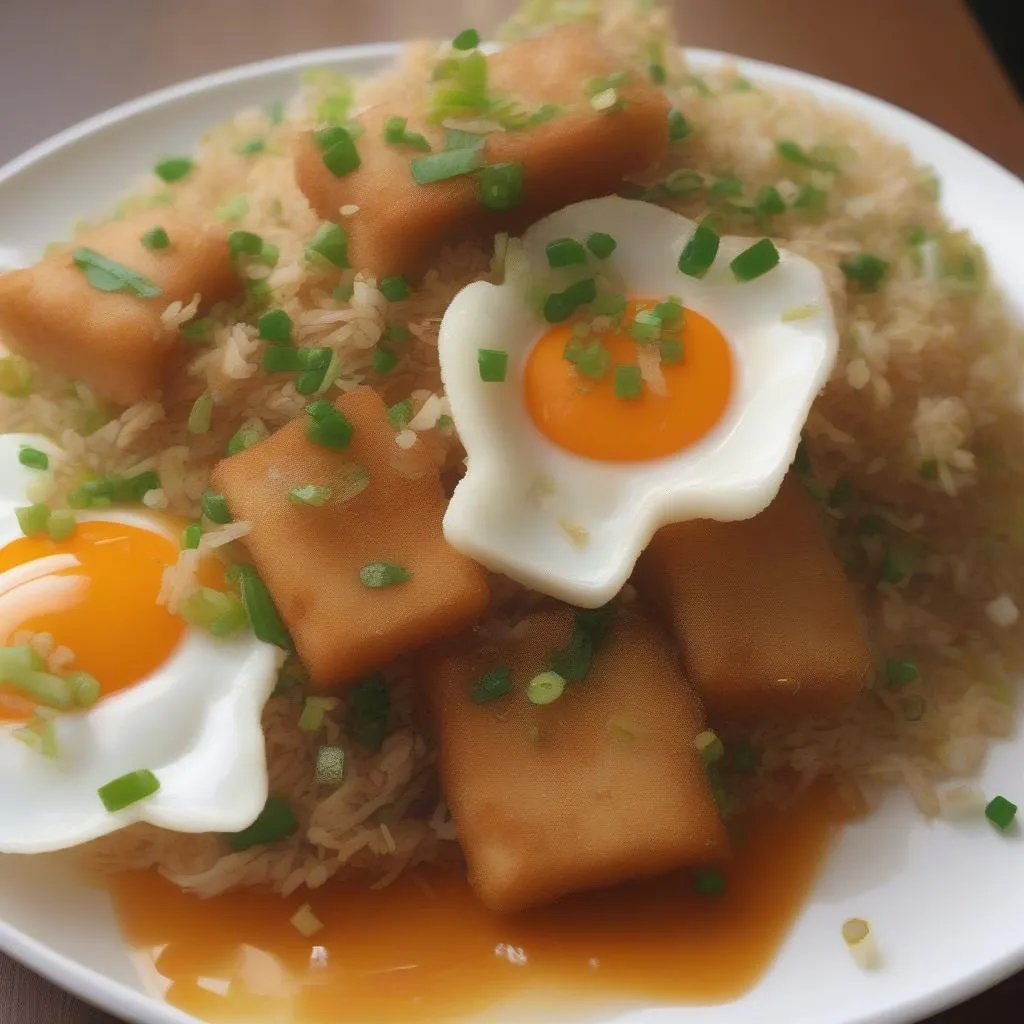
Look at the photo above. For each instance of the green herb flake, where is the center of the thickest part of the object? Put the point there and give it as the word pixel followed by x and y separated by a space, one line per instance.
pixel 491 686
pixel 275 326
pixel 678 127
pixel 331 243
pixel 865 270
pixel 376 575
pixel 500 186
pixel 107 275
pixel 793 153
pixel 700 251
pixel 602 245
pixel 174 169
pixel 492 364
pixel 467 39
pixel 155 239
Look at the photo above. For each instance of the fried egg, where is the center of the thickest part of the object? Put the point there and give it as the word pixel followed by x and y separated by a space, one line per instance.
pixel 601 392
pixel 173 699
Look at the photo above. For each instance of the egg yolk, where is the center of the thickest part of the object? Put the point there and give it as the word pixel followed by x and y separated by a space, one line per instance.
pixel 96 594
pixel 588 418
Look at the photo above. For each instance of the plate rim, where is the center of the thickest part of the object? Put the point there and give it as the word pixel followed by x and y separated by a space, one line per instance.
pixel 119 998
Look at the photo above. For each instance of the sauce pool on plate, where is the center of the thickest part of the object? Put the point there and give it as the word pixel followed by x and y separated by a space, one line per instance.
pixel 422 949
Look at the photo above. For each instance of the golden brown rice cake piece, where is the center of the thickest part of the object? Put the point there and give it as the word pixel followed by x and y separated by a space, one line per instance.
pixel 602 785
pixel 766 620
pixel 310 558
pixel 580 154
pixel 114 341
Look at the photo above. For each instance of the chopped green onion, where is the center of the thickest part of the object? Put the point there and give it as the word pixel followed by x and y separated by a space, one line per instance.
pixel 723 188
pixel 492 364
pixel 244 243
pixel 811 200
pixel 39 735
pixel 467 39
pixel 670 313
pixel 128 789
pixel 400 413
pixel 15 377
pixel 260 608
pixel 545 688
pixel 191 536
pixel 341 157
pixel 755 261
pixel 395 289
pixel 174 169
pixel 107 275
pixel 215 507
pixel 700 251
pixel 796 154
pixel 709 882
pixel 156 238
pixel 491 686
pixel 22 668
pixel 234 209
pixel 866 270
pixel 646 326
pixel 61 525
pixel 33 519
pixel 565 252
pixel 281 359
pixel 441 166
pixel 313 711
pixel 500 186
pixel 326 426
pixel 330 766
pixel 1000 812
pixel 929 469
pixel 201 415
pixel 243 438
pixel 399 334
pixel 219 613
pixel 657 73
pixel 602 245
pixel 252 148
pixel 330 242
pixel 310 494
pixel 901 672
pixel 572 661
pixel 608 304
pixel 545 112
pixel 275 326
pixel 383 360
pixel 396 134
pixel 591 361
pixel 683 182
pixel 199 328
pixel 678 128
pixel 275 822
pixel 769 201
pixel 375 575
pixel 917 236
pixel 33 458
pixel 671 350
pixel 368 711
pixel 456 138
pixel 629 382
pixel 709 746
pixel 560 306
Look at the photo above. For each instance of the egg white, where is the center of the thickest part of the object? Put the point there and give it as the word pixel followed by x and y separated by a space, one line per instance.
pixel 573 527
pixel 195 722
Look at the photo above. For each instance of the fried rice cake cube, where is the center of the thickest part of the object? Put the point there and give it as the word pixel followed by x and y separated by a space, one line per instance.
pixel 602 785
pixel 114 340
pixel 766 620
pixel 578 154
pixel 310 557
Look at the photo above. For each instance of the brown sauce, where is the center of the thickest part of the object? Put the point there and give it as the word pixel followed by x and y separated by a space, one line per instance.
pixel 424 950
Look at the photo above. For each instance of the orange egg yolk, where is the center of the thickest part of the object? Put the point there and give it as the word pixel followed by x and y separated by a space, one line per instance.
pixel 96 594
pixel 588 418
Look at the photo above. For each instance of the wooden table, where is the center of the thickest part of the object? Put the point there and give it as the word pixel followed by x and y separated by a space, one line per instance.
pixel 64 60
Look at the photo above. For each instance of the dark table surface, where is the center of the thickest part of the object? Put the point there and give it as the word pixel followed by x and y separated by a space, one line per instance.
pixel 66 59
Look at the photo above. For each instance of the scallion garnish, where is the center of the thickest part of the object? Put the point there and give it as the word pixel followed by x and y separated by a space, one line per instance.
pixel 396 288
pixel 441 166
pixel 219 613
pixel 215 507
pixel 383 360
pixel 602 245
pixel 810 200
pixel 901 672
pixel 796 154
pixel 107 275
pixel 326 426
pixel 33 519
pixel 723 188
pixel 671 351
pixel 200 417
pixel 174 168
pixel 500 186
pixel 755 261
pixel 628 381
pixel 396 134
pixel 492 364
pixel 33 458
pixel 128 789
pixel 491 686
pixel 610 304
pixel 710 746
pixel 341 156
pixel 400 413
pixel 244 243
pixel 156 238
pixel 769 201
pixel 545 688
pixel 243 438
pixel 39 735
pixel 700 251
pixel 62 524
pixel 330 766
pixel 198 329
pixel 330 242
pixel 1000 812
pixel 260 608
pixel 565 252
pixel 678 128
pixel 591 361
pixel 113 488
pixel 275 326
pixel 275 822
pixel 375 575
pixel 191 536
pixel 310 494
pixel 467 39
pixel 560 306
pixel 865 270
pixel 646 326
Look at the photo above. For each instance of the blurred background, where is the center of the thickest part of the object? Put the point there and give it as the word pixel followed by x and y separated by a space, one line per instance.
pixel 952 62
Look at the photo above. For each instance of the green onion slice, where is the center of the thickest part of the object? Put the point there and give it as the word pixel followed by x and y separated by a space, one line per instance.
pixel 545 688
pixel 601 244
pixel 275 822
pixel 467 39
pixel 500 186
pixel 678 128
pixel 492 364
pixel 491 686
pixel 628 381
pixel 700 251
pixel 326 426
pixel 33 458
pixel 375 575
pixel 156 238
pixel 259 606
pixel 565 252
pixel 330 242
pixel 310 494
pixel 866 270
pixel 441 166
pixel 107 275
pixel 275 326
pixel 755 261
pixel 174 169
pixel 128 789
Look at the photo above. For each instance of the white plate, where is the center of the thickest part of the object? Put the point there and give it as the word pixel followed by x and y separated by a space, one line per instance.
pixel 947 904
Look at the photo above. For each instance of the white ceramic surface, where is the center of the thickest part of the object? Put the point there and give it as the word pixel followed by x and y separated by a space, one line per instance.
pixel 946 903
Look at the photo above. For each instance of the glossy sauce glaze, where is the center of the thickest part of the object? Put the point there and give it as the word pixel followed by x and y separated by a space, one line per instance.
pixel 422 949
